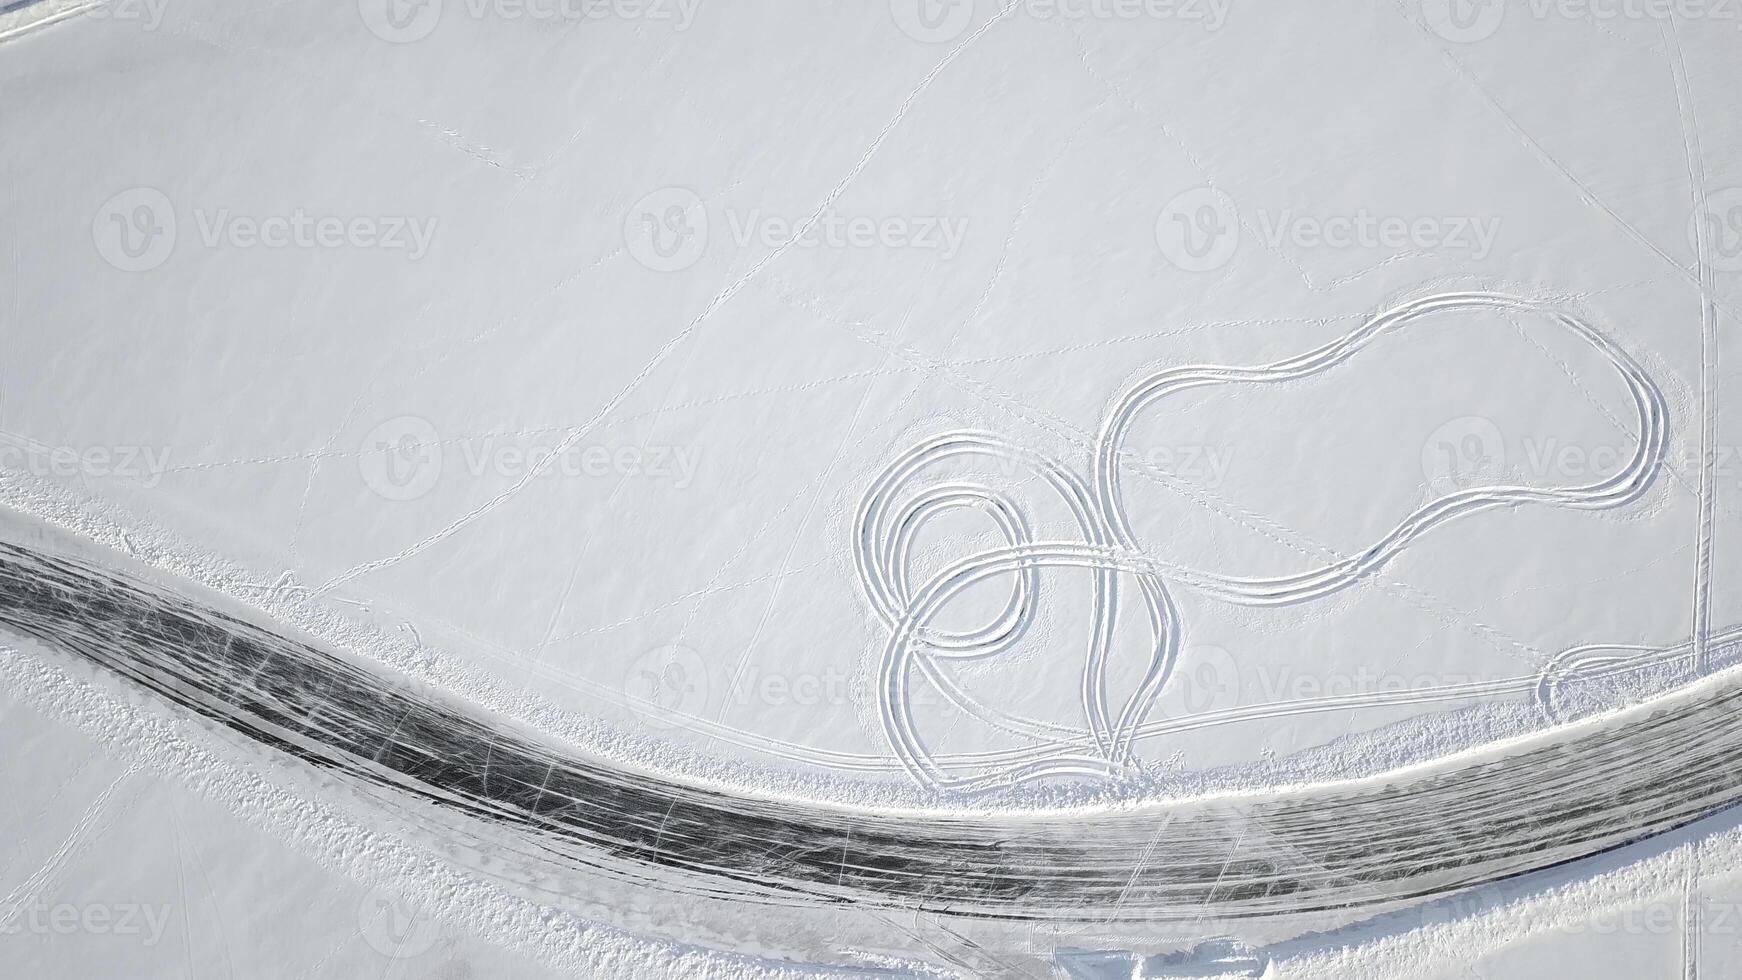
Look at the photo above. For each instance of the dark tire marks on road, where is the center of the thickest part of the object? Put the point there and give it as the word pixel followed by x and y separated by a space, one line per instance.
pixel 1411 834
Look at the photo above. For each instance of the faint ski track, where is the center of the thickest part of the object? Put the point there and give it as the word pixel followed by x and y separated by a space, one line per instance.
pixel 1548 160
pixel 1690 127
pixel 665 350
pixel 42 876
pixel 814 492
pixel 1058 429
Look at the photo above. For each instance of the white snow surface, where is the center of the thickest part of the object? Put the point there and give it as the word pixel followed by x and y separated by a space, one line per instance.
pixel 549 353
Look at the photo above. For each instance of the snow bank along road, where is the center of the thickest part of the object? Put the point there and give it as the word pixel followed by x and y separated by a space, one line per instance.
pixel 536 812
pixel 1536 802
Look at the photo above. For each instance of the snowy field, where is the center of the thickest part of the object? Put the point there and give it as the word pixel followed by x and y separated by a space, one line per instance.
pixel 983 424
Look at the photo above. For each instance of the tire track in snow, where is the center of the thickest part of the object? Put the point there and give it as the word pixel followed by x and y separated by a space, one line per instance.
pixel 898 504
pixel 1409 834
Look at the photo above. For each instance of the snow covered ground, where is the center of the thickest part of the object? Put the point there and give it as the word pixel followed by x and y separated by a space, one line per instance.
pixel 1293 393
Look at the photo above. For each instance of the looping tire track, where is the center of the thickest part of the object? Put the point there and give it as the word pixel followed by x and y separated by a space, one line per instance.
pixel 1109 547
pixel 1365 844
pixel 1334 847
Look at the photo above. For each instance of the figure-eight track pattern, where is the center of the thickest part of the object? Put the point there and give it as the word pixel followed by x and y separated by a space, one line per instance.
pixel 1556 797
pixel 900 502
